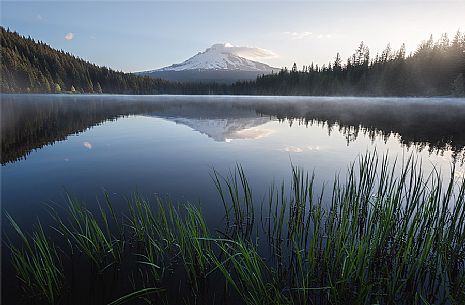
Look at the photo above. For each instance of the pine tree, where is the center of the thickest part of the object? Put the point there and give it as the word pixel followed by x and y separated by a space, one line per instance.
pixel 294 68
pixel 337 62
pixel 458 85
pixel 435 68
pixel 98 88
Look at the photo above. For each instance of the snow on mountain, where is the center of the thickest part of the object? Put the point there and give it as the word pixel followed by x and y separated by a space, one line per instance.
pixel 226 130
pixel 219 57
pixel 223 122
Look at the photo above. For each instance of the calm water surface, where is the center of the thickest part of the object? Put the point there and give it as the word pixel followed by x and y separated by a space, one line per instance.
pixel 87 145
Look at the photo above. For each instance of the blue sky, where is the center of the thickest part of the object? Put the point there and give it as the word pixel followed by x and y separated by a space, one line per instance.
pixel 143 35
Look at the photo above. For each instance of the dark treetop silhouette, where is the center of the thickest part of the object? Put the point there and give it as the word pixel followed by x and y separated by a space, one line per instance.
pixel 434 69
pixel 32 121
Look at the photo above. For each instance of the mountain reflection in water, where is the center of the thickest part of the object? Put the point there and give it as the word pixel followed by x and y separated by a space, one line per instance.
pixel 29 122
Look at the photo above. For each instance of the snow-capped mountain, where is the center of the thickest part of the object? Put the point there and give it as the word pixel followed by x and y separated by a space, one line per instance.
pixel 219 57
pixel 219 63
pixel 228 129
pixel 221 121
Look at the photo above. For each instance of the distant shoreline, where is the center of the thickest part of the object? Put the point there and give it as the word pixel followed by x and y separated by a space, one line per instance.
pixel 435 70
pixel 231 95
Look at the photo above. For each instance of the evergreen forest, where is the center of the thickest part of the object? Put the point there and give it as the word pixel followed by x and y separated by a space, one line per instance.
pixel 435 68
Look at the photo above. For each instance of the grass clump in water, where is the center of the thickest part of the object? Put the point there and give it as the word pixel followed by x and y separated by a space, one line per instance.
pixel 90 235
pixel 384 234
pixel 381 235
pixel 38 264
pixel 167 234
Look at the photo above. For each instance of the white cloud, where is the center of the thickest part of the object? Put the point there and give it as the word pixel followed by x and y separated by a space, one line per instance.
pixel 313 147
pixel 302 35
pixel 69 36
pixel 298 35
pixel 87 145
pixel 246 52
pixel 253 133
pixel 252 53
pixel 293 149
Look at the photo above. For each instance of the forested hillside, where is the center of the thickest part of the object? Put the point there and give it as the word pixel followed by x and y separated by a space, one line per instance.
pixel 434 69
pixel 33 66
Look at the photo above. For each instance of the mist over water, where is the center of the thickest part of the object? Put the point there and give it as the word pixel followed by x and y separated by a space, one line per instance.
pixel 168 145
pixel 435 123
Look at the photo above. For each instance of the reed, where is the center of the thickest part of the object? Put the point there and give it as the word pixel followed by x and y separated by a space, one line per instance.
pixel 91 235
pixel 135 295
pixel 385 233
pixel 38 264
pixel 152 231
pixel 247 272
pixel 195 247
pixel 168 234
pixel 237 199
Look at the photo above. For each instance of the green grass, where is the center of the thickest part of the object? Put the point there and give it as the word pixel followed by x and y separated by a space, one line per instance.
pixel 387 234
pixel 89 234
pixel 167 234
pixel 38 264
pixel 247 272
pixel 383 234
pixel 237 199
pixel 136 294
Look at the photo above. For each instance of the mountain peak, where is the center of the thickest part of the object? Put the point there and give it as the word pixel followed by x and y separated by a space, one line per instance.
pixel 220 63
pixel 218 46
pixel 220 56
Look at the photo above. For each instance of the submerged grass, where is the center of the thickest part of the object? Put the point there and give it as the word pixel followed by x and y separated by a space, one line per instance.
pixel 167 234
pixel 136 294
pixel 38 264
pixel 246 271
pixel 90 235
pixel 384 234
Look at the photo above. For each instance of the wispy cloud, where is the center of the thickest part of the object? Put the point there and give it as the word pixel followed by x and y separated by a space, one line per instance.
pixel 69 36
pixel 39 18
pixel 253 133
pixel 87 145
pixel 298 35
pixel 327 36
pixel 246 52
pixel 250 52
pixel 306 34
pixel 313 147
pixel 293 149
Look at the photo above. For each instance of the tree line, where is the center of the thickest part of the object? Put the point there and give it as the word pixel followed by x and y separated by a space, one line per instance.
pixel 436 68
pixel 30 66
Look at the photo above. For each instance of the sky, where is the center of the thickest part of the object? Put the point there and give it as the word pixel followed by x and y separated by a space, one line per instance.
pixel 144 35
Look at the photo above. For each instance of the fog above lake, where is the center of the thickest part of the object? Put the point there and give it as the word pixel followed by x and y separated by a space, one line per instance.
pixel 168 146
pixel 32 121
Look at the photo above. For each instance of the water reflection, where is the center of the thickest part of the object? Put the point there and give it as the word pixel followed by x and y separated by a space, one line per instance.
pixel 166 145
pixel 228 129
pixel 436 124
pixel 29 122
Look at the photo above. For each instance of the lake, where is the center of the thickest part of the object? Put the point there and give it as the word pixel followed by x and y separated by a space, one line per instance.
pixel 169 146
